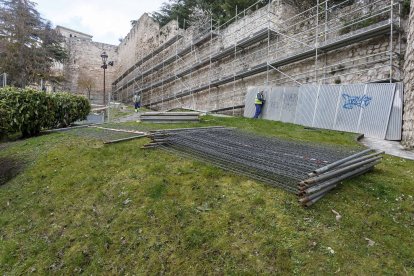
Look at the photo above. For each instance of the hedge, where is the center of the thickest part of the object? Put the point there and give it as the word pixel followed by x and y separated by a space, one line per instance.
pixel 29 111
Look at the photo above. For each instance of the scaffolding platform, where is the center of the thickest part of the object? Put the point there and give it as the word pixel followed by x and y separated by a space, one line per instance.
pixel 256 37
pixel 148 57
pixel 205 37
pixel 366 33
pixel 241 44
pixel 359 35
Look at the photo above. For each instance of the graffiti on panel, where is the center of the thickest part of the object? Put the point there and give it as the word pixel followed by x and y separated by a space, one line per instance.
pixel 356 101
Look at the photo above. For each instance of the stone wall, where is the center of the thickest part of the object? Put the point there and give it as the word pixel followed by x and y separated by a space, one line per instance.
pixel 136 43
pixel 365 61
pixel 83 68
pixel 143 38
pixel 82 72
pixel 408 124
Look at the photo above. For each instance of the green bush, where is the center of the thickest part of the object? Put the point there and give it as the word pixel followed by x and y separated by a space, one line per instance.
pixel 4 118
pixel 29 111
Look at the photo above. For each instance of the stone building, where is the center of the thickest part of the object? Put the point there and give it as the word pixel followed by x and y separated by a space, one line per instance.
pixel 82 71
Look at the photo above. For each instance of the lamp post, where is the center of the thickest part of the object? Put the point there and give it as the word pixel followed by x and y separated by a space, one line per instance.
pixel 104 66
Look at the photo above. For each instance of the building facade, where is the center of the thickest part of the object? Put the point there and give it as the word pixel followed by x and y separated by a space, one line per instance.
pixel 82 72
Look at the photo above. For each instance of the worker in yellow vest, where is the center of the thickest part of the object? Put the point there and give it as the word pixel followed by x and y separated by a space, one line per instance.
pixel 258 102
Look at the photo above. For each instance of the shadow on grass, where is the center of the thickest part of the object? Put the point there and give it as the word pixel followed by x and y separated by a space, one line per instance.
pixel 9 168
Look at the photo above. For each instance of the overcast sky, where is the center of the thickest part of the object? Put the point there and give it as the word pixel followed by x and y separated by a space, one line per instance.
pixel 106 20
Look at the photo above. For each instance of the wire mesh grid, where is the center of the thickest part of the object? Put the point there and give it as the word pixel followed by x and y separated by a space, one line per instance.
pixel 275 161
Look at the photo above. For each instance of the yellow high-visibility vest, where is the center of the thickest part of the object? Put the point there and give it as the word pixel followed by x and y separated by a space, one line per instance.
pixel 257 101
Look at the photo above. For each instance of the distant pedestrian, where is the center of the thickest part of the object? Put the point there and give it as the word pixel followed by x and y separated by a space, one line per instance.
pixel 259 102
pixel 137 101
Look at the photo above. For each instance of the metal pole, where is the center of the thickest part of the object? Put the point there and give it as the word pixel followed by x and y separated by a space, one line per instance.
pixel 210 64
pixel 152 60
pixel 339 162
pixel 104 92
pixel 109 105
pixel 142 78
pixel 391 38
pixel 316 41
pixel 325 38
pixel 268 41
pixel 162 86
pixel 399 41
pixel 326 18
pixel 234 66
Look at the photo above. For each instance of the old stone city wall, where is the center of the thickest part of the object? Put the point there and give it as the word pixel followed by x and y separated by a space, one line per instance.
pixel 144 36
pixel 83 70
pixel 166 85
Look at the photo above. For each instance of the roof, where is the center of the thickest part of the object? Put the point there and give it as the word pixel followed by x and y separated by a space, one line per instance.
pixel 72 30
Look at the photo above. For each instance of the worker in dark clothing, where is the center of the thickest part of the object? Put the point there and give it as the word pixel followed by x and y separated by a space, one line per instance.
pixel 259 102
pixel 137 101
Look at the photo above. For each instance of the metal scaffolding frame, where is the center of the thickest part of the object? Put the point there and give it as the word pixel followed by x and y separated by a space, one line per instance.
pixel 258 42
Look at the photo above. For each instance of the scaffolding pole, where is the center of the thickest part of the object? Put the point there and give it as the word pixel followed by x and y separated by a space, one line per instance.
pixel 391 39
pixel 234 63
pixel 293 45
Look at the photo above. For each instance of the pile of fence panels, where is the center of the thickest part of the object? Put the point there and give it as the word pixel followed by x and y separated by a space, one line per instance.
pixel 324 179
pixel 170 117
pixel 308 170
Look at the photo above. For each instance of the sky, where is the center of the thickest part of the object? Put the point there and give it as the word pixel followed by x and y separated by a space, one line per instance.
pixel 105 20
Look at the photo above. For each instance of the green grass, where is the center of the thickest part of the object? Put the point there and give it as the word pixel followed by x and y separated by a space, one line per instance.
pixel 262 127
pixel 82 207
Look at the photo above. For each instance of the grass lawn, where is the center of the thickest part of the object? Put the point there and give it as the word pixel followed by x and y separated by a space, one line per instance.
pixel 79 206
pixel 116 113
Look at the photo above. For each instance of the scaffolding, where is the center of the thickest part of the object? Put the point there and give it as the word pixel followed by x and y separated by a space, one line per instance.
pixel 260 43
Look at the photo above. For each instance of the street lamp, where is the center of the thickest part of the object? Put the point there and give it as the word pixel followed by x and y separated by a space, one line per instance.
pixel 104 66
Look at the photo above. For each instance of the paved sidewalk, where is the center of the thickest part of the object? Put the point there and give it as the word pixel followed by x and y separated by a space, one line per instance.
pixel 390 147
pixel 131 117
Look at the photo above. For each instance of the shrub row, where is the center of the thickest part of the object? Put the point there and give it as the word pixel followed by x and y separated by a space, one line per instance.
pixel 29 111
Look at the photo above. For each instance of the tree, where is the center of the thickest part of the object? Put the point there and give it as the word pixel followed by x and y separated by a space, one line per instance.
pixel 85 82
pixel 220 10
pixel 189 10
pixel 29 43
pixel 175 9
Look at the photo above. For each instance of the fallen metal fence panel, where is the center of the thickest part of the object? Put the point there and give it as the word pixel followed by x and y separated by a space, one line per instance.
pixel 306 169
